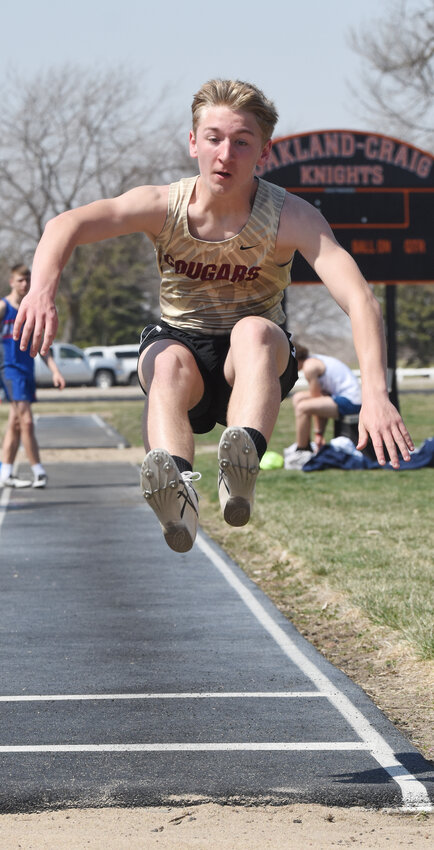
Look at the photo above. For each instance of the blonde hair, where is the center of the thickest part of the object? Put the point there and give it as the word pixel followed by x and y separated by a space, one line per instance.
pixel 236 95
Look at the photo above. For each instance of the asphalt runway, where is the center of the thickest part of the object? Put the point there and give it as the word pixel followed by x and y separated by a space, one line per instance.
pixel 130 675
pixel 76 431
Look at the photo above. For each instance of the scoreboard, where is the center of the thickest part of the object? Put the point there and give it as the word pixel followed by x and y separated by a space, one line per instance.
pixel 376 192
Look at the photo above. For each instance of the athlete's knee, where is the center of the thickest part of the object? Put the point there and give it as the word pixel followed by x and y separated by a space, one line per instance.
pixel 296 401
pixel 14 420
pixel 23 415
pixel 27 426
pixel 253 330
pixel 306 407
pixel 14 425
pixel 173 373
pixel 254 339
pixel 164 363
pixel 174 364
pixel 299 399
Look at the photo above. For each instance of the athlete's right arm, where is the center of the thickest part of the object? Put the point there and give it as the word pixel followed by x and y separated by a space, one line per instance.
pixel 139 210
pixel 312 369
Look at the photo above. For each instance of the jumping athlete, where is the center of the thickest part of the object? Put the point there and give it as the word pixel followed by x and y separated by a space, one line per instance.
pixel 224 244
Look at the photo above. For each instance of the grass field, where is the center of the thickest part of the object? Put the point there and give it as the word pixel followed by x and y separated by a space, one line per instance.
pixel 368 534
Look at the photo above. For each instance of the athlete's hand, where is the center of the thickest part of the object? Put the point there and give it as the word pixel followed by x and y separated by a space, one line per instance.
pixel 59 380
pixel 37 321
pixel 380 420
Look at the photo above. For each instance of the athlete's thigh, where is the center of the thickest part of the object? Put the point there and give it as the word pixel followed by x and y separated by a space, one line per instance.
pixel 322 405
pixel 146 364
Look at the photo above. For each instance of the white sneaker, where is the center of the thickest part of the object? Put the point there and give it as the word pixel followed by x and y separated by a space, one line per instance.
pixel 293 449
pixel 297 458
pixel 290 450
pixel 13 481
pixel 172 496
pixel 40 480
pixel 239 467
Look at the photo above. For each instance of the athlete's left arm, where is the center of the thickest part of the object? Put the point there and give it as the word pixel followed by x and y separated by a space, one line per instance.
pixel 303 228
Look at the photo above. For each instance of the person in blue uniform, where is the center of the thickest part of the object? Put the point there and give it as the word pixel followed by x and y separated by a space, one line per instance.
pixel 18 383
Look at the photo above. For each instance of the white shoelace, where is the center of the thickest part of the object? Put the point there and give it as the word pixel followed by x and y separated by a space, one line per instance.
pixel 191 476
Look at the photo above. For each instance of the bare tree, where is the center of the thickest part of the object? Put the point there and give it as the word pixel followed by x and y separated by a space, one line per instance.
pixel 397 86
pixel 70 136
pixel 398 71
pixel 316 321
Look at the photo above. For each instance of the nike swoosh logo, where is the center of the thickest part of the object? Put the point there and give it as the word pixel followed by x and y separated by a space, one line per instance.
pixel 248 247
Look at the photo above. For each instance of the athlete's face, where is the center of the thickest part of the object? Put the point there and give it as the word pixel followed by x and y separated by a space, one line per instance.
pixel 20 283
pixel 228 146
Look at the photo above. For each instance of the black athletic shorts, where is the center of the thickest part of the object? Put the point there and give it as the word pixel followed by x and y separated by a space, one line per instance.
pixel 210 354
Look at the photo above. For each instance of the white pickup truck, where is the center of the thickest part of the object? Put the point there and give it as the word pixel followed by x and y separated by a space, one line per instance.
pixel 77 368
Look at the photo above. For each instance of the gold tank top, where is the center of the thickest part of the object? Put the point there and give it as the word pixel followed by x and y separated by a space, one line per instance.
pixel 208 286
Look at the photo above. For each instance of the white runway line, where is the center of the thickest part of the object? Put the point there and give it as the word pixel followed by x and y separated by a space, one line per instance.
pixel 243 746
pixel 5 494
pixel 107 428
pixel 101 424
pixel 188 695
pixel 414 794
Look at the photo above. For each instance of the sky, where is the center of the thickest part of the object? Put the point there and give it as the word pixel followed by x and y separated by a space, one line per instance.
pixel 297 52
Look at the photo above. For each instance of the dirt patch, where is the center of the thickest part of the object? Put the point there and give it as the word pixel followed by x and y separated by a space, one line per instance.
pixel 133 455
pixel 213 827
